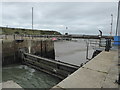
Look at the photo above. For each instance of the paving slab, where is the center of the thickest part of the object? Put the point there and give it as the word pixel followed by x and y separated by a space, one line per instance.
pixel 102 62
pixel 83 78
pixel 9 84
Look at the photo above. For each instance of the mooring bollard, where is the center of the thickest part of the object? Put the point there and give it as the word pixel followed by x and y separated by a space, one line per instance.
pixel 14 36
pixel 119 79
pixel 108 45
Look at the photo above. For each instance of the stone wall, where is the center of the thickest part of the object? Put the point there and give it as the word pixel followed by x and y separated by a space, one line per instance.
pixel 11 48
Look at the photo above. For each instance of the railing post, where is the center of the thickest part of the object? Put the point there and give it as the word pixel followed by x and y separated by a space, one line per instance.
pixel 87 52
pixel 14 36
pixel 119 79
pixel 108 45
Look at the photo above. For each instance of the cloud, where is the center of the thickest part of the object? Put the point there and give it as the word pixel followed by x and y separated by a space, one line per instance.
pixel 79 17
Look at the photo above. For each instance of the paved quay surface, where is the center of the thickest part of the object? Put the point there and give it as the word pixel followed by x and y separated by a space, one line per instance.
pixel 100 72
pixel 9 84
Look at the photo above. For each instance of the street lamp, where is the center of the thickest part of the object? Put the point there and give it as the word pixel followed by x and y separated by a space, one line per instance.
pixel 100 33
pixel 32 18
pixel 111 24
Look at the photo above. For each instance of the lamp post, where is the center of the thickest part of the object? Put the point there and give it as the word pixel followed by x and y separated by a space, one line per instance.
pixel 100 36
pixel 118 18
pixel 32 20
pixel 111 24
pixel 66 28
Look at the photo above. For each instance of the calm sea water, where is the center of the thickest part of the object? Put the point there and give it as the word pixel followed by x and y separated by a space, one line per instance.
pixel 73 52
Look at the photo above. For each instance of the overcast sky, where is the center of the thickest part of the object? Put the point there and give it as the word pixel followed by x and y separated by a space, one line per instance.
pixel 79 17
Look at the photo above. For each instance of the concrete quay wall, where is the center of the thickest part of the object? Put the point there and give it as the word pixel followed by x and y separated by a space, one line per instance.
pixel 11 48
pixel 100 72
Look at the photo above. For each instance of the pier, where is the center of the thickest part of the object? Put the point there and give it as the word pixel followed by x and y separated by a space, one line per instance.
pixel 59 37
pixel 101 72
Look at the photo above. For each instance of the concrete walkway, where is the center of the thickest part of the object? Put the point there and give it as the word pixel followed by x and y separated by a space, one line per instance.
pixel 9 84
pixel 100 72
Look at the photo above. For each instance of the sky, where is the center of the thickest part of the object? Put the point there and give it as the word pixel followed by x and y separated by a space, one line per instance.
pixel 78 17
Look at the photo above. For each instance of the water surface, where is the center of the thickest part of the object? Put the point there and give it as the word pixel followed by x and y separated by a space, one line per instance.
pixel 28 77
pixel 73 52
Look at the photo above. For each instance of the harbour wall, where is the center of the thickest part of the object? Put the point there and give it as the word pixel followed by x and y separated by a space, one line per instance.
pixel 38 54
pixel 11 49
pixel 31 53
